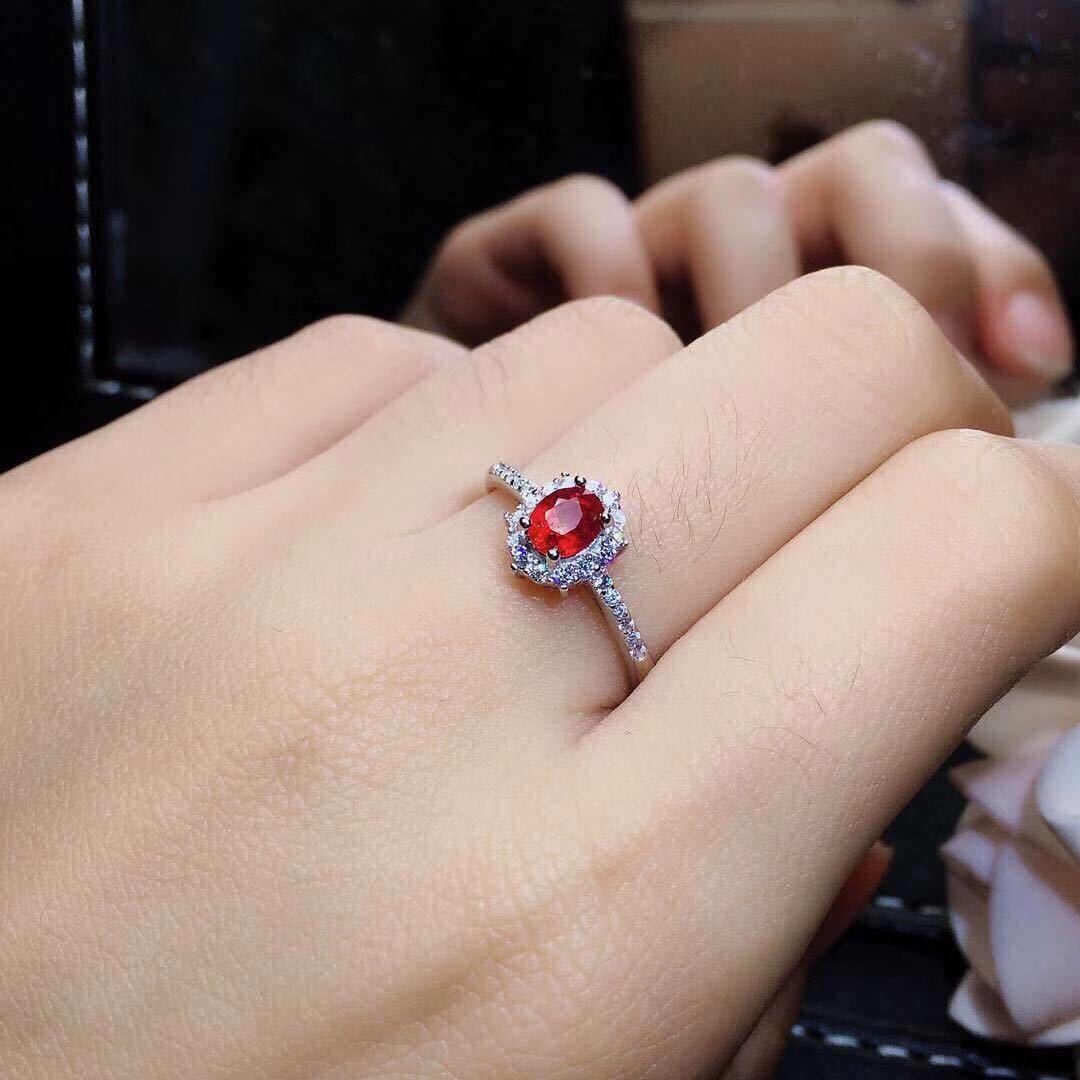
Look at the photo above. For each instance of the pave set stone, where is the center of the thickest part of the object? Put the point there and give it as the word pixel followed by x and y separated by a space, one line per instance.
pixel 610 597
pixel 512 479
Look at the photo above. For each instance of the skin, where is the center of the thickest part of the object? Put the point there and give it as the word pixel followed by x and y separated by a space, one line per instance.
pixel 280 799
pixel 706 244
pixel 300 782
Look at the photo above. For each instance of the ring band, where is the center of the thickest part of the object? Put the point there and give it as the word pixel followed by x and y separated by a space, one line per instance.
pixel 568 533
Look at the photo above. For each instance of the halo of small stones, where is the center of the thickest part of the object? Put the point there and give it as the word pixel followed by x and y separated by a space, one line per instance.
pixel 585 565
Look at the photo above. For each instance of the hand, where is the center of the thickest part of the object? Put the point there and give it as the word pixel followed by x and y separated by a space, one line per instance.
pixel 705 244
pixel 299 781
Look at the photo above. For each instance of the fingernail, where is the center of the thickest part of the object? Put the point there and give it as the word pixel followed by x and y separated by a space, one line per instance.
pixel 1035 329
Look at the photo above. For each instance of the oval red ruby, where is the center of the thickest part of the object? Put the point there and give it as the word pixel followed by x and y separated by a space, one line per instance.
pixel 566 521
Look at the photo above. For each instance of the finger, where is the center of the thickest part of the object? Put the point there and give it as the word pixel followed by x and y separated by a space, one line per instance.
pixel 872 196
pixel 797 718
pixel 725 451
pixel 858 891
pixel 509 398
pixel 1023 329
pixel 721 231
pixel 760 1053
pixel 572 239
pixel 251 420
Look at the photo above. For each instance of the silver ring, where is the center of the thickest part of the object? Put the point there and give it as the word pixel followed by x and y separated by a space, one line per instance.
pixel 568 533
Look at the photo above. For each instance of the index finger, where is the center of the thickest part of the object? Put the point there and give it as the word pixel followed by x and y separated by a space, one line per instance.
pixel 571 239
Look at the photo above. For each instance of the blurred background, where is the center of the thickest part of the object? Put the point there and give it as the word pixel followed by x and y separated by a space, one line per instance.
pixel 185 182
pixel 259 163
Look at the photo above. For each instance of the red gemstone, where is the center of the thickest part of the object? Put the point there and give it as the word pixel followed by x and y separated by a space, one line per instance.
pixel 567 520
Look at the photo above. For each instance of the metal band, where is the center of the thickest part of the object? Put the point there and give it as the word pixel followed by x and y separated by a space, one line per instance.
pixel 518 484
pixel 621 623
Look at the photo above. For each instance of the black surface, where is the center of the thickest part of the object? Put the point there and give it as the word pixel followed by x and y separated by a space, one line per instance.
pixel 820 1052
pixel 919 830
pixel 296 160
pixel 37 248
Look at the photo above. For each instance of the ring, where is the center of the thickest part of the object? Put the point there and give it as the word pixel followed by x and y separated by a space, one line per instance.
pixel 568 533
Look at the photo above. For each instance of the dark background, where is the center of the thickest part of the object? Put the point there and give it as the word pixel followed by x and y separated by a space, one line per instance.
pixel 250 166
pixel 309 158
pixel 256 164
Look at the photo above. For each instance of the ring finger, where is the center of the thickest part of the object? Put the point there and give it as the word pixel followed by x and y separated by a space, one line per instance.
pixel 723 453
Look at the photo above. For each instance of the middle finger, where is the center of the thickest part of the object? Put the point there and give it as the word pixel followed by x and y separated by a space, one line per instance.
pixel 722 454
pixel 719 233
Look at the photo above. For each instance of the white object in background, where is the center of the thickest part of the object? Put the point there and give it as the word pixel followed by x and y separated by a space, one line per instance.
pixel 1014 861
pixel 1014 895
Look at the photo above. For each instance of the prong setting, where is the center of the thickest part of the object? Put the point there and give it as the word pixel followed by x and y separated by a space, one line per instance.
pixel 562 572
pixel 590 530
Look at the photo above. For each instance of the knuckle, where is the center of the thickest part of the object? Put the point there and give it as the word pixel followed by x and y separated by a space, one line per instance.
pixel 613 332
pixel 868 299
pixel 251 379
pixel 346 342
pixel 882 348
pixel 337 333
pixel 619 321
pixel 1004 501
pixel 869 307
pixel 888 138
pixel 457 241
pixel 741 177
pixel 958 454
pixel 853 284
pixel 589 187
pixel 457 249
pixel 337 341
